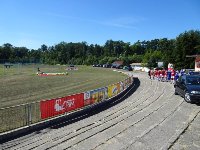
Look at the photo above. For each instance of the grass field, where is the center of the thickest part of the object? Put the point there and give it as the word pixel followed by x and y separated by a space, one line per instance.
pixel 20 84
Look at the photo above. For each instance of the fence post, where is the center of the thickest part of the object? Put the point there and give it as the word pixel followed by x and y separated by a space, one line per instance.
pixel 29 115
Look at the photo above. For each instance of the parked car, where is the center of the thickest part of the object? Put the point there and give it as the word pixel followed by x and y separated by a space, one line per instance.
pixel 194 73
pixel 188 86
pixel 107 65
pixel 128 68
pixel 119 67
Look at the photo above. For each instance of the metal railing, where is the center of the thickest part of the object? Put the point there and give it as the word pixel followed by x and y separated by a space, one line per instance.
pixel 19 116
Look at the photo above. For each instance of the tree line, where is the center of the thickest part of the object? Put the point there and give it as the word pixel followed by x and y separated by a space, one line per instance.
pixel 148 52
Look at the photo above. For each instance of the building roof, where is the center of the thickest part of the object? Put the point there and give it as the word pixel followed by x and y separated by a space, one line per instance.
pixel 118 62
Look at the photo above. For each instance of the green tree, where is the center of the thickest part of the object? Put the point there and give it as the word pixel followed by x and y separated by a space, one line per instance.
pixel 186 44
pixel 152 57
pixel 6 52
pixel 138 48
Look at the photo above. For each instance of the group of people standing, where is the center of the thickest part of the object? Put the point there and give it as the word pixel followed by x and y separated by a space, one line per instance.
pixel 169 75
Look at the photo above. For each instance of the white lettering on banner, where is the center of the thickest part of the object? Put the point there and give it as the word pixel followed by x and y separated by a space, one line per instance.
pixel 68 103
pixel 58 106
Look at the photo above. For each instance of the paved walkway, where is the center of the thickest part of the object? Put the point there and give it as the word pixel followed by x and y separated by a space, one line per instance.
pixel 190 139
pixel 151 118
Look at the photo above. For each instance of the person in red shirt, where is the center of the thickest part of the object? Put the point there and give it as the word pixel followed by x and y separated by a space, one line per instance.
pixel 172 76
pixel 163 74
pixel 159 75
pixel 155 74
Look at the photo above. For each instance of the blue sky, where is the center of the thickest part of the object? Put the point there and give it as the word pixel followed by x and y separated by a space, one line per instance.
pixel 31 23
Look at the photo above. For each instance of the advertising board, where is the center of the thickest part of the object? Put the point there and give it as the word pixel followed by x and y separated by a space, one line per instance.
pixel 95 96
pixel 113 89
pixel 53 107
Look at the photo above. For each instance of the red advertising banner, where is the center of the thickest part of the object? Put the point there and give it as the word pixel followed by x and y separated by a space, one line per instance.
pixel 53 107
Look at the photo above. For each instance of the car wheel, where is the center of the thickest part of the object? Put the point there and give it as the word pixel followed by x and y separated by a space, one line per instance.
pixel 187 97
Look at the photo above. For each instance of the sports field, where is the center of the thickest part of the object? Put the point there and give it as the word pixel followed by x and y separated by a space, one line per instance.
pixel 20 84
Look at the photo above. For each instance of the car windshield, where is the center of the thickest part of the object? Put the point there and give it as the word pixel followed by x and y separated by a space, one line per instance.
pixel 193 80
